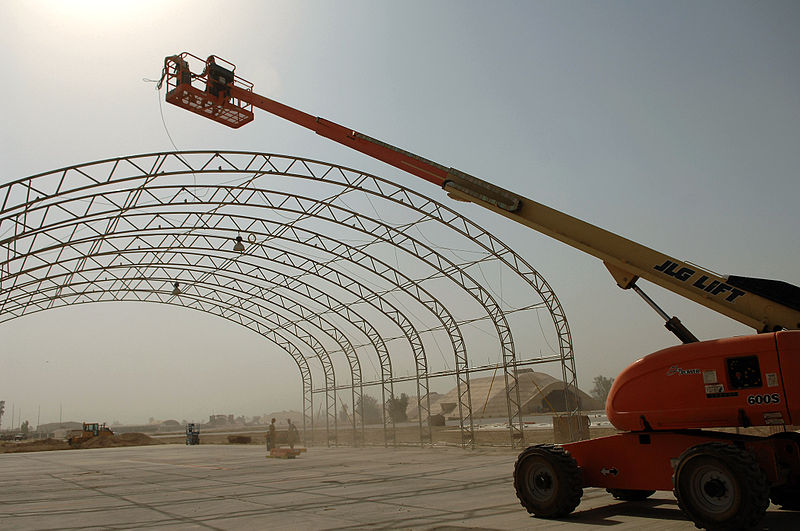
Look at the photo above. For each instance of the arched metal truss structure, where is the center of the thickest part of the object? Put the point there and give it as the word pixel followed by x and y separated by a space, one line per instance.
pixel 334 266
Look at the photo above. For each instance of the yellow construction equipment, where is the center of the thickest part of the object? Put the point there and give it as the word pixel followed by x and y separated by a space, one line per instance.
pixel 90 431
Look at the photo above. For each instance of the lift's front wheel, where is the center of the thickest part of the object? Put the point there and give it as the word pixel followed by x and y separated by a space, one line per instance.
pixel 547 481
pixel 721 486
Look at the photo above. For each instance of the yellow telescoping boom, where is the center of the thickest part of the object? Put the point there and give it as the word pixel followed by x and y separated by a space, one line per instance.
pixel 765 305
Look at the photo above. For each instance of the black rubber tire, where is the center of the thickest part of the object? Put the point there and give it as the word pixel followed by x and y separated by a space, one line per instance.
pixel 721 486
pixel 630 494
pixel 787 496
pixel 547 481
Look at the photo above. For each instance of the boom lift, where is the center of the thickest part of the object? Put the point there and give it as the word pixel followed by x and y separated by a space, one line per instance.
pixel 662 402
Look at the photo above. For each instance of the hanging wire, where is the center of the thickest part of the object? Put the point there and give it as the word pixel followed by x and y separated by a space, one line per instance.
pixel 159 84
pixel 489 392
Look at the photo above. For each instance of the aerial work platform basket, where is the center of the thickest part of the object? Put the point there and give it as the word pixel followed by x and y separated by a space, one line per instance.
pixel 207 93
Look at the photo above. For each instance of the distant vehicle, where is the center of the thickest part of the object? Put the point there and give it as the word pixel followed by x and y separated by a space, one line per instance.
pixel 192 434
pixel 90 431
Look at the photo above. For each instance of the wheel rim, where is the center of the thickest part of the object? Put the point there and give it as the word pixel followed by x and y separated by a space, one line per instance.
pixel 541 480
pixel 713 489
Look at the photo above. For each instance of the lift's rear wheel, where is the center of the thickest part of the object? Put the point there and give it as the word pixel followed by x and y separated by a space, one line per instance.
pixel 630 494
pixel 547 481
pixel 721 486
pixel 787 496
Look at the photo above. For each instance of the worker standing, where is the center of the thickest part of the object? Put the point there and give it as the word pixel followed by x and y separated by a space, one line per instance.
pixel 271 436
pixel 292 435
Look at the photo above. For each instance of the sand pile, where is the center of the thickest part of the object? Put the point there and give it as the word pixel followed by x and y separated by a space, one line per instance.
pixel 34 446
pixel 126 439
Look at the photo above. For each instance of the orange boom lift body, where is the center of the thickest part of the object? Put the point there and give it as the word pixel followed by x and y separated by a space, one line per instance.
pixel 665 402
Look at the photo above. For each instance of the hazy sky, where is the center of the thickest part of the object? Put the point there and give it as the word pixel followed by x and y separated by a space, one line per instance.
pixel 675 124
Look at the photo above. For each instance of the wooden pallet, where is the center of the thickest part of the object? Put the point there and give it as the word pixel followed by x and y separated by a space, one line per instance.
pixel 285 453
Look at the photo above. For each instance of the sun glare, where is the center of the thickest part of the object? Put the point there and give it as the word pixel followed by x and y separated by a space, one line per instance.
pixel 94 11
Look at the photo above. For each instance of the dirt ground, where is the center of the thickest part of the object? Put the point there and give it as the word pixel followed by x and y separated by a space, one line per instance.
pixel 372 436
pixel 126 439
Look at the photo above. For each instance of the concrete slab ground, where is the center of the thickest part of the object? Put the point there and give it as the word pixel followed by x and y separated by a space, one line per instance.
pixel 236 487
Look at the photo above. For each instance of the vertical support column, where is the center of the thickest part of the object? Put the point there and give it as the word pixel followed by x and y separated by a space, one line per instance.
pixel 330 407
pixel 513 401
pixel 308 410
pixel 465 409
pixel 424 407
pixel 466 425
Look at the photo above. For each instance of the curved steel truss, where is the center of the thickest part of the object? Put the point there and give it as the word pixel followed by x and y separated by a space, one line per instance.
pixel 332 265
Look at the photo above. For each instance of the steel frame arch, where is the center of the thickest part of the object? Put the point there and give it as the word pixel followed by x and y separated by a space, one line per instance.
pixel 348 218
pixel 258 319
pixel 160 160
pixel 296 260
pixel 206 305
pixel 453 273
pixel 301 313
